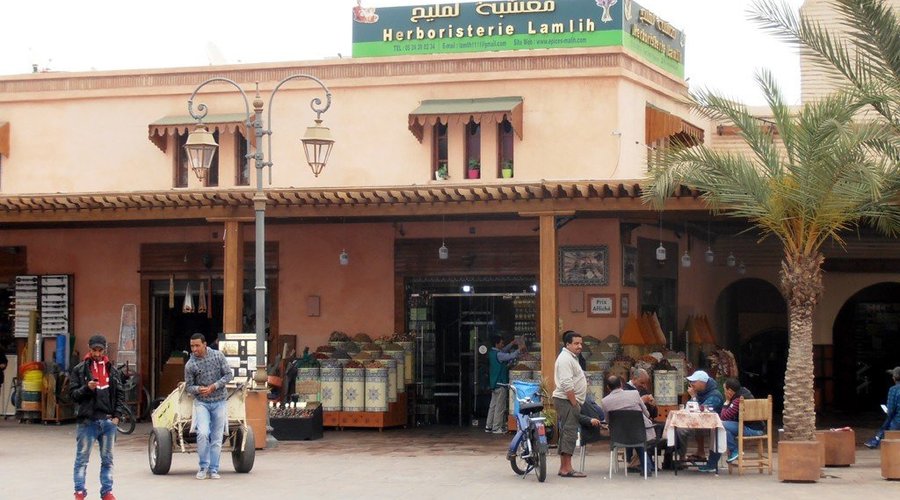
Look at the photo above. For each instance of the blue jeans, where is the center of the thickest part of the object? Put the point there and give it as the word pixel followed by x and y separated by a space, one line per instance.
pixel 104 432
pixel 731 432
pixel 209 420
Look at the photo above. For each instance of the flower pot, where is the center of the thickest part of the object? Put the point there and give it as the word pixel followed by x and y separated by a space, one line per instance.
pixel 840 447
pixel 474 173
pixel 800 461
pixel 507 173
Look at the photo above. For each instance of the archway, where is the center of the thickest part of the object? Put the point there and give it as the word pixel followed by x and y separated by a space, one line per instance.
pixel 867 334
pixel 751 316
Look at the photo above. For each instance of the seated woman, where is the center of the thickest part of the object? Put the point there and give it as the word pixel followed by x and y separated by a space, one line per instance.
pixel 734 394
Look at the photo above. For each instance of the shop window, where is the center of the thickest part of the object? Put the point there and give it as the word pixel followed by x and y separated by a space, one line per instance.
pixel 473 150
pixel 439 155
pixel 242 166
pixel 505 135
pixel 183 165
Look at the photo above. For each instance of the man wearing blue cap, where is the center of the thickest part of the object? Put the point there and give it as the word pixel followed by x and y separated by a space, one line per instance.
pixel 892 409
pixel 705 391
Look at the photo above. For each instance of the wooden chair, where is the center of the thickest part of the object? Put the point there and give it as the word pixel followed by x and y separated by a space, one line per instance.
pixel 754 410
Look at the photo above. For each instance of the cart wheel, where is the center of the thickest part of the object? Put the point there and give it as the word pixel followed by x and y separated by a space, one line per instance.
pixel 159 450
pixel 243 458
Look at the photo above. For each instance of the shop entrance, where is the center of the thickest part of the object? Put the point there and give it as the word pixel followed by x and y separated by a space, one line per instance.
pixel 172 327
pixel 752 321
pixel 453 339
pixel 867 334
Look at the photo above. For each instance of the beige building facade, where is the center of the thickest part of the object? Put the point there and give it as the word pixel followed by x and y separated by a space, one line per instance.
pixel 93 185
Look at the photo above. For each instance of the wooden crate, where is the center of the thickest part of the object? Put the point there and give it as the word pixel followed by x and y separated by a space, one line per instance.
pixel 331 418
pixel 396 416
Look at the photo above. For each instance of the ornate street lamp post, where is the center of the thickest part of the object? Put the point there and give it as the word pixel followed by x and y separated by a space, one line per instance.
pixel 201 147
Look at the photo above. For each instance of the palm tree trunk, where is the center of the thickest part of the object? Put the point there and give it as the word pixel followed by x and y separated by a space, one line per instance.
pixel 801 284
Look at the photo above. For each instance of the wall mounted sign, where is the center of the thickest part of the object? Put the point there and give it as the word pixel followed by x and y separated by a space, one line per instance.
pixel 517 25
pixel 602 305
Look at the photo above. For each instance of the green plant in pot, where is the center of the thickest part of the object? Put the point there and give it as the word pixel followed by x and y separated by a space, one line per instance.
pixel 474 168
pixel 442 172
pixel 507 169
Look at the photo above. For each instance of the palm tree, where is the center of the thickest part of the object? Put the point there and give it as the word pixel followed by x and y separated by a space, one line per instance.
pixel 868 58
pixel 808 177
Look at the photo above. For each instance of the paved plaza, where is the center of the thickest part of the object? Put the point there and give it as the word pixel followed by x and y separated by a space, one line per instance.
pixel 435 462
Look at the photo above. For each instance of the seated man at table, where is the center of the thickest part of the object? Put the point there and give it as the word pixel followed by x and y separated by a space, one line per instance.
pixel 731 410
pixel 640 382
pixel 705 391
pixel 619 399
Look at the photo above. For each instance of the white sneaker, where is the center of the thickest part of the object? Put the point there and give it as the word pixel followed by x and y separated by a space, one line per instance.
pixel 214 475
pixel 202 474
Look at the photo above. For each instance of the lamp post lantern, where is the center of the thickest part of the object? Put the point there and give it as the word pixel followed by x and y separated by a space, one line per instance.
pixel 201 148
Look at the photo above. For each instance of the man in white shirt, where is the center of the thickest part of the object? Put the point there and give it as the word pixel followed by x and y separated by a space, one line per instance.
pixel 568 396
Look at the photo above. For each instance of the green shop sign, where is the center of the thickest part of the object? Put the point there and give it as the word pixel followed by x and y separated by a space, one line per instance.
pixel 517 25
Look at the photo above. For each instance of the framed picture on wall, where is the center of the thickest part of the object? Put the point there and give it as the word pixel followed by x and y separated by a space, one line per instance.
pixel 624 305
pixel 601 305
pixel 629 266
pixel 584 265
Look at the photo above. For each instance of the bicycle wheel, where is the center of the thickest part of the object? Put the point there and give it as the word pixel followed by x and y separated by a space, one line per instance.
pixel 540 464
pixel 519 465
pixel 126 422
pixel 145 403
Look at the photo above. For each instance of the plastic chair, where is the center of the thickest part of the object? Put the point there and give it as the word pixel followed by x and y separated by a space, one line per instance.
pixel 626 430
pixel 754 410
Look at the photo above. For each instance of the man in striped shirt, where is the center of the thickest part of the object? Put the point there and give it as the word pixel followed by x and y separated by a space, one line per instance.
pixel 205 376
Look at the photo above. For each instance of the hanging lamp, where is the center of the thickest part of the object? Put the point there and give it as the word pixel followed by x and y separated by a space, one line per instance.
pixel 443 252
pixel 661 251
pixel 344 257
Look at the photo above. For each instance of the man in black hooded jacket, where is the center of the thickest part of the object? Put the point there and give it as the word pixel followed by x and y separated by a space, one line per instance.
pixel 96 389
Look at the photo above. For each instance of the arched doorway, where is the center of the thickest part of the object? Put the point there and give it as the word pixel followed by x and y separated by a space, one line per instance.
pixel 752 320
pixel 867 334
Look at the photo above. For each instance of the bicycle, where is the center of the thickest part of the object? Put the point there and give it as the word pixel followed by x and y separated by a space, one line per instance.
pixel 137 398
pixel 528 450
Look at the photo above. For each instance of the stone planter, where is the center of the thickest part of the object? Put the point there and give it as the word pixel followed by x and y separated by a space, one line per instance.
pixel 840 447
pixel 800 461
pixel 890 458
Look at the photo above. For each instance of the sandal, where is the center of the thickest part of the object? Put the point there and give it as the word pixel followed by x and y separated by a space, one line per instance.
pixel 572 473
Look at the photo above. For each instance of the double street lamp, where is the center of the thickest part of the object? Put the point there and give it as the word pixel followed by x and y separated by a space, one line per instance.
pixel 201 148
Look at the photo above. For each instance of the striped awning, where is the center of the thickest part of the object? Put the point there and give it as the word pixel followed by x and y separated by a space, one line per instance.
pixel 664 125
pixel 159 130
pixel 483 110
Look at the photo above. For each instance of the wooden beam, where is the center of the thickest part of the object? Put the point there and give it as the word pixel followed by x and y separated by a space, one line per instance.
pixel 547 290
pixel 233 299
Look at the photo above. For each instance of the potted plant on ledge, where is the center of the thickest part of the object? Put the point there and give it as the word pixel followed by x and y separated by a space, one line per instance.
pixel 506 169
pixel 441 173
pixel 474 168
